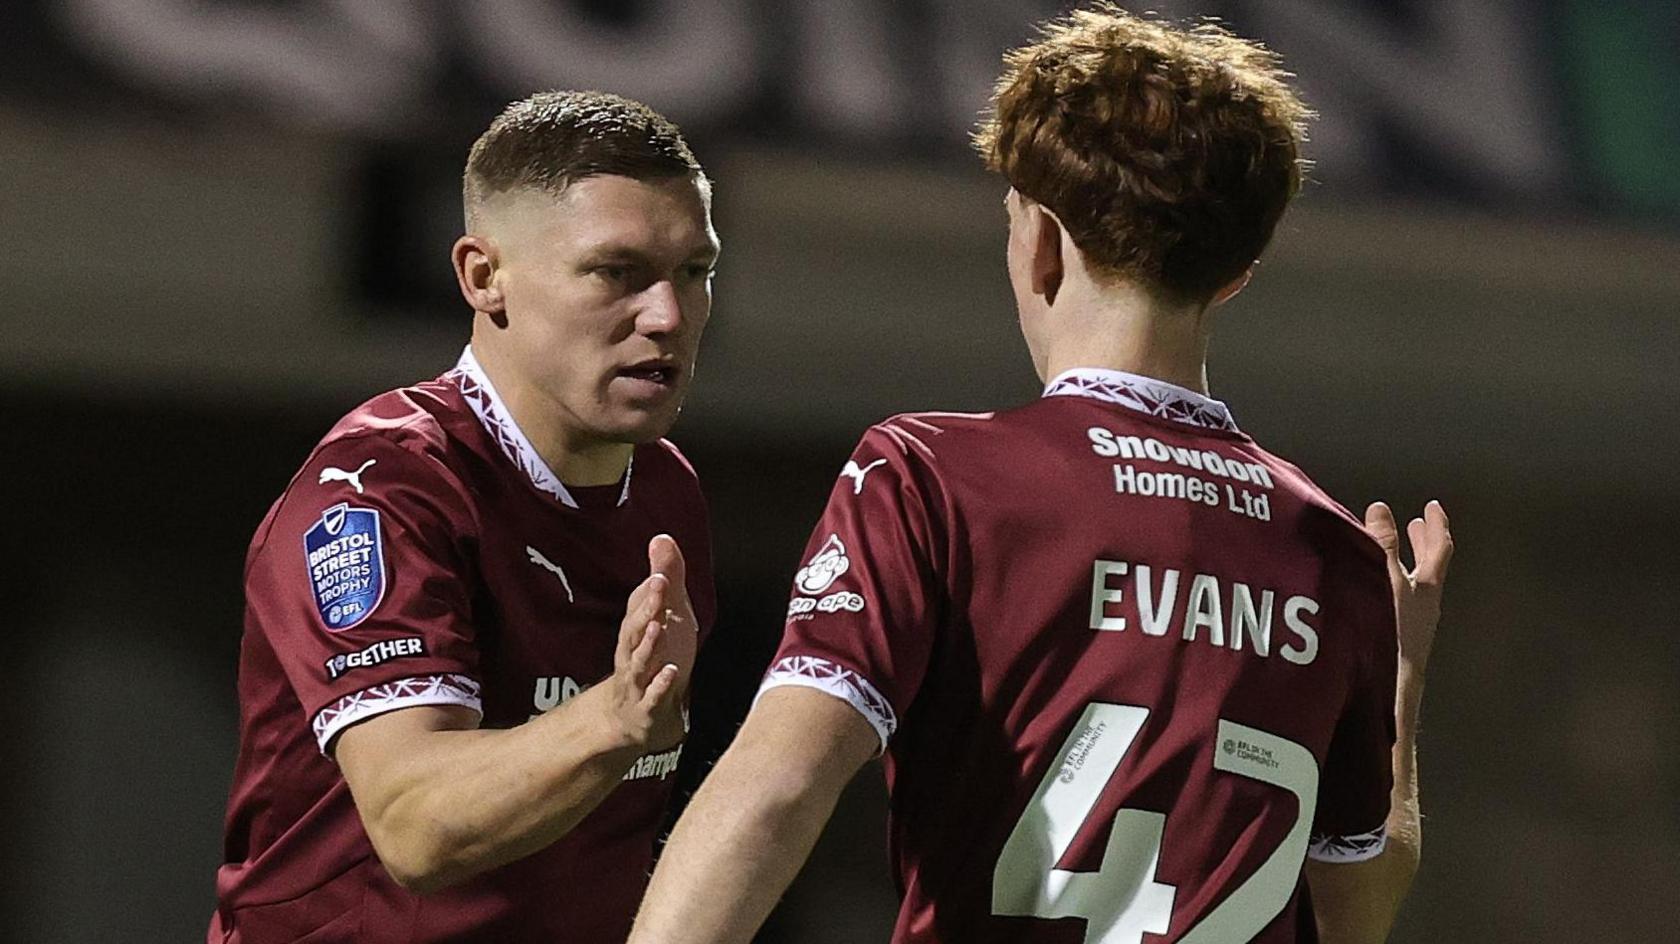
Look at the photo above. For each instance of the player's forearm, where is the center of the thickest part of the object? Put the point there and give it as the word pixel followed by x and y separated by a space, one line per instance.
pixel 741 841
pixel 1405 821
pixel 464 802
pixel 1358 903
pixel 1404 850
pixel 753 823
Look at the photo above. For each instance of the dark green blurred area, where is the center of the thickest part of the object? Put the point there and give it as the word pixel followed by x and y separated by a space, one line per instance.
pixel 1623 68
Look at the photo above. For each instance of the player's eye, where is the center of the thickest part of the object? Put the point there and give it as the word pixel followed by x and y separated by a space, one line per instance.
pixel 617 274
pixel 698 271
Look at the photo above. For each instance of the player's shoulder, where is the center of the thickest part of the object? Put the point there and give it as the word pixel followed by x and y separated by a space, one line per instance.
pixel 936 423
pixel 415 418
pixel 945 436
pixel 400 441
pixel 1328 519
pixel 924 435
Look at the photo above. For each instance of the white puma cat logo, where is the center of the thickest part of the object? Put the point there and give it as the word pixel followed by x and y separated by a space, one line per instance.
pixel 553 568
pixel 852 471
pixel 332 474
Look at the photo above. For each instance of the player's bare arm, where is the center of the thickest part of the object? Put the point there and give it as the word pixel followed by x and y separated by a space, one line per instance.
pixel 443 800
pixel 1356 903
pixel 752 825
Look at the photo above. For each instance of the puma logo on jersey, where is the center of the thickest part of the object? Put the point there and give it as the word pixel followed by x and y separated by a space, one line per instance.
pixel 856 474
pixel 553 568
pixel 333 474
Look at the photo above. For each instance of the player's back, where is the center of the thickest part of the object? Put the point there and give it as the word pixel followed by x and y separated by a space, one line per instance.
pixel 1150 662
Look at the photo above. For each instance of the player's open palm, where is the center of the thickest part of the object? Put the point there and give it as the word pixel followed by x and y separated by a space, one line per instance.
pixel 679 639
pixel 655 654
pixel 1417 592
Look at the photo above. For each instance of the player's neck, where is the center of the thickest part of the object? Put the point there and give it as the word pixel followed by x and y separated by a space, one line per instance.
pixel 574 459
pixel 586 464
pixel 1127 330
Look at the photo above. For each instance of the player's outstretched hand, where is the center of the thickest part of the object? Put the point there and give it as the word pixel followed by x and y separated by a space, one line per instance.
pixel 1417 592
pixel 679 639
pixel 655 654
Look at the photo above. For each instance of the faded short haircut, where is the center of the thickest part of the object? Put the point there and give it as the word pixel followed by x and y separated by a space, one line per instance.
pixel 1168 153
pixel 551 140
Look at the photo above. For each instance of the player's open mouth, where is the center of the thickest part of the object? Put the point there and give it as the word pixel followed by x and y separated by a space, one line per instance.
pixel 657 373
pixel 651 376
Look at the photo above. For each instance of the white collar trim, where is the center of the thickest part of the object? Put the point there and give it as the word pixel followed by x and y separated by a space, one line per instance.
pixel 498 421
pixel 1144 394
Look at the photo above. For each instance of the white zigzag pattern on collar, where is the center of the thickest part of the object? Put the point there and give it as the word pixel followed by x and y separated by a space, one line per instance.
pixel 1153 397
pixel 487 406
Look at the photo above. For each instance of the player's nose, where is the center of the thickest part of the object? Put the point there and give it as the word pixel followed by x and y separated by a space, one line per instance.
pixel 660 311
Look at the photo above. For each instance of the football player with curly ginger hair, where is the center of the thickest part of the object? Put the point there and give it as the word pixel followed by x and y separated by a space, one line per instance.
pixel 1135 678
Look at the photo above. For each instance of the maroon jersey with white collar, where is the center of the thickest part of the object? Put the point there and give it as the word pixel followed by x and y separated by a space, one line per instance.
pixel 425 555
pixel 1129 668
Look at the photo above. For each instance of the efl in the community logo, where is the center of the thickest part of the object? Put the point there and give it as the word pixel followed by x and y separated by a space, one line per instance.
pixel 346 565
pixel 1074 762
pixel 824 568
pixel 1251 753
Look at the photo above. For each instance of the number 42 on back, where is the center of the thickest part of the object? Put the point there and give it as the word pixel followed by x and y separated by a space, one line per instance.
pixel 1121 901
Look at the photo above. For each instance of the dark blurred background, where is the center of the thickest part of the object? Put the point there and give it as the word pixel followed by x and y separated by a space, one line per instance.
pixel 226 223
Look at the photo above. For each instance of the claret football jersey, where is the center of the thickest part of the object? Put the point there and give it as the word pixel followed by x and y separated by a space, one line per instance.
pixel 1128 668
pixel 426 555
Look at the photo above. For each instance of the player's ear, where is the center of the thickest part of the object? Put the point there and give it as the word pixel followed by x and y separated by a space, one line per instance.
pixel 475 259
pixel 1045 238
pixel 1230 290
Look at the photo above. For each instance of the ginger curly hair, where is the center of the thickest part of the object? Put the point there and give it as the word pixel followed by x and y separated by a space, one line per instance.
pixel 1168 154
